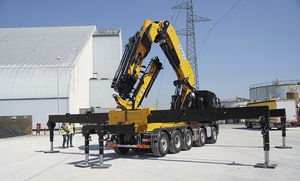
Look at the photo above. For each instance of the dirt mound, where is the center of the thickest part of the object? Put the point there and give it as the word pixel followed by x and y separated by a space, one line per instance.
pixel 7 132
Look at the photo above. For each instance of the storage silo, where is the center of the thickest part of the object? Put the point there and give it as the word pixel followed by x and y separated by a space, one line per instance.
pixel 273 90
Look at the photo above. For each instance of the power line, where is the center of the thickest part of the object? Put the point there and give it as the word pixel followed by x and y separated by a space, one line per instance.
pixel 178 12
pixel 228 12
pixel 205 39
pixel 215 24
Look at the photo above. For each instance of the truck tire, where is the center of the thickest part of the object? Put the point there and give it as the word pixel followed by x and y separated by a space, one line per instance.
pixel 187 140
pixel 214 136
pixel 121 150
pixel 163 144
pixel 176 142
pixel 201 139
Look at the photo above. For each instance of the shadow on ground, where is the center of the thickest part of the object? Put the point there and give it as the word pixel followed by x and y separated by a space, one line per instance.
pixel 254 129
pixel 235 146
pixel 94 159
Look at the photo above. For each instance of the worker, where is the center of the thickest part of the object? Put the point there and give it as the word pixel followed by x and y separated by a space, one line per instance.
pixel 70 135
pixel 64 132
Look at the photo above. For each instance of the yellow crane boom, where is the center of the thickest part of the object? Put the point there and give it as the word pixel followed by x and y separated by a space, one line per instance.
pixel 138 47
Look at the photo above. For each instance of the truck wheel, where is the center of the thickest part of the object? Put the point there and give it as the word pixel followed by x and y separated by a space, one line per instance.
pixel 201 138
pixel 176 142
pixel 214 136
pixel 163 144
pixel 121 150
pixel 188 140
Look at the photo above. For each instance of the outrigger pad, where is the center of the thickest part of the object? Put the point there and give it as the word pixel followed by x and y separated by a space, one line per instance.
pixel 83 165
pixel 283 147
pixel 53 151
pixel 265 165
pixel 100 166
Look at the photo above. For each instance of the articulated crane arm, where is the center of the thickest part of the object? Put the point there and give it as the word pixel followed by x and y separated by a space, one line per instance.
pixel 127 75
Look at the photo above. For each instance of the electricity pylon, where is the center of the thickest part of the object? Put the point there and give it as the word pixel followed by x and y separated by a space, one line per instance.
pixel 189 33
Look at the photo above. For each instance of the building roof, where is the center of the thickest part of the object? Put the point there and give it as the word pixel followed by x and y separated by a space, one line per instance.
pixel 29 58
pixel 40 47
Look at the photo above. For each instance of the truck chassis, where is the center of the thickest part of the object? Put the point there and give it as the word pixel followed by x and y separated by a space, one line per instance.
pixel 159 143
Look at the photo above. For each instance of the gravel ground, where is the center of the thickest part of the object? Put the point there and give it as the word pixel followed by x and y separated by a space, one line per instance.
pixel 7 132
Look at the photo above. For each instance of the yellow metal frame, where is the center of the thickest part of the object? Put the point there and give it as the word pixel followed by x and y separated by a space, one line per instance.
pixel 184 71
pixel 139 118
pixel 130 112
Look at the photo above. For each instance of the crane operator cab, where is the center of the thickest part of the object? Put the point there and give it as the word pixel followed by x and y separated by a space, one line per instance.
pixel 199 99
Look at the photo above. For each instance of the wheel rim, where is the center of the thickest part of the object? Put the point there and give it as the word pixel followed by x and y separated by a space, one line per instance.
pixel 188 139
pixel 214 135
pixel 164 144
pixel 177 142
pixel 202 137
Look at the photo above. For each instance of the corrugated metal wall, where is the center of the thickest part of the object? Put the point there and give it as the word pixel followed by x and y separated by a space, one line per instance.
pixel 38 108
pixel 101 94
pixel 79 89
pixel 107 55
pixel 29 58
pixel 34 82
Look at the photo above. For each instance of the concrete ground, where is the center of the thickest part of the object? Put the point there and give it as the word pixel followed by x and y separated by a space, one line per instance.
pixel 232 158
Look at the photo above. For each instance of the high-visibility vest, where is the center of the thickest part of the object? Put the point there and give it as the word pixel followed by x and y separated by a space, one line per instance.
pixel 70 129
pixel 62 131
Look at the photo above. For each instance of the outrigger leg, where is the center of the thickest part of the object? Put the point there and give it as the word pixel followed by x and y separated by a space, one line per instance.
pixel 265 125
pixel 86 151
pixel 51 125
pixel 101 152
pixel 283 123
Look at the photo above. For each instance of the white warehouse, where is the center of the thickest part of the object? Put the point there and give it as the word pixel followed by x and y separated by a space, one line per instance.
pixel 56 70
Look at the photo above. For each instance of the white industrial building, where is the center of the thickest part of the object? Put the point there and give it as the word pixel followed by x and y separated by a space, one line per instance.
pixel 56 70
pixel 235 102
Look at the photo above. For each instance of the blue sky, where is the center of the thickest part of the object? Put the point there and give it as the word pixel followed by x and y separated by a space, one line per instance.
pixel 258 41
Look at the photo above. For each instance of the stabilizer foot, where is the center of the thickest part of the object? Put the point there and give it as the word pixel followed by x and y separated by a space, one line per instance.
pixel 283 147
pixel 83 165
pixel 100 166
pixel 51 151
pixel 265 165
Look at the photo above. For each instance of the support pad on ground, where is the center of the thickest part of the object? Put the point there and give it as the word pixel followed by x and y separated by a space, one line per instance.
pixel 283 125
pixel 265 126
pixel 51 151
pixel 100 165
pixel 283 147
pixel 83 165
pixel 86 163
pixel 265 165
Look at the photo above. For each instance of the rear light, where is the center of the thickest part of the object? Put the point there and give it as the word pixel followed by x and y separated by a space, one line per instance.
pixel 146 140
pixel 107 139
